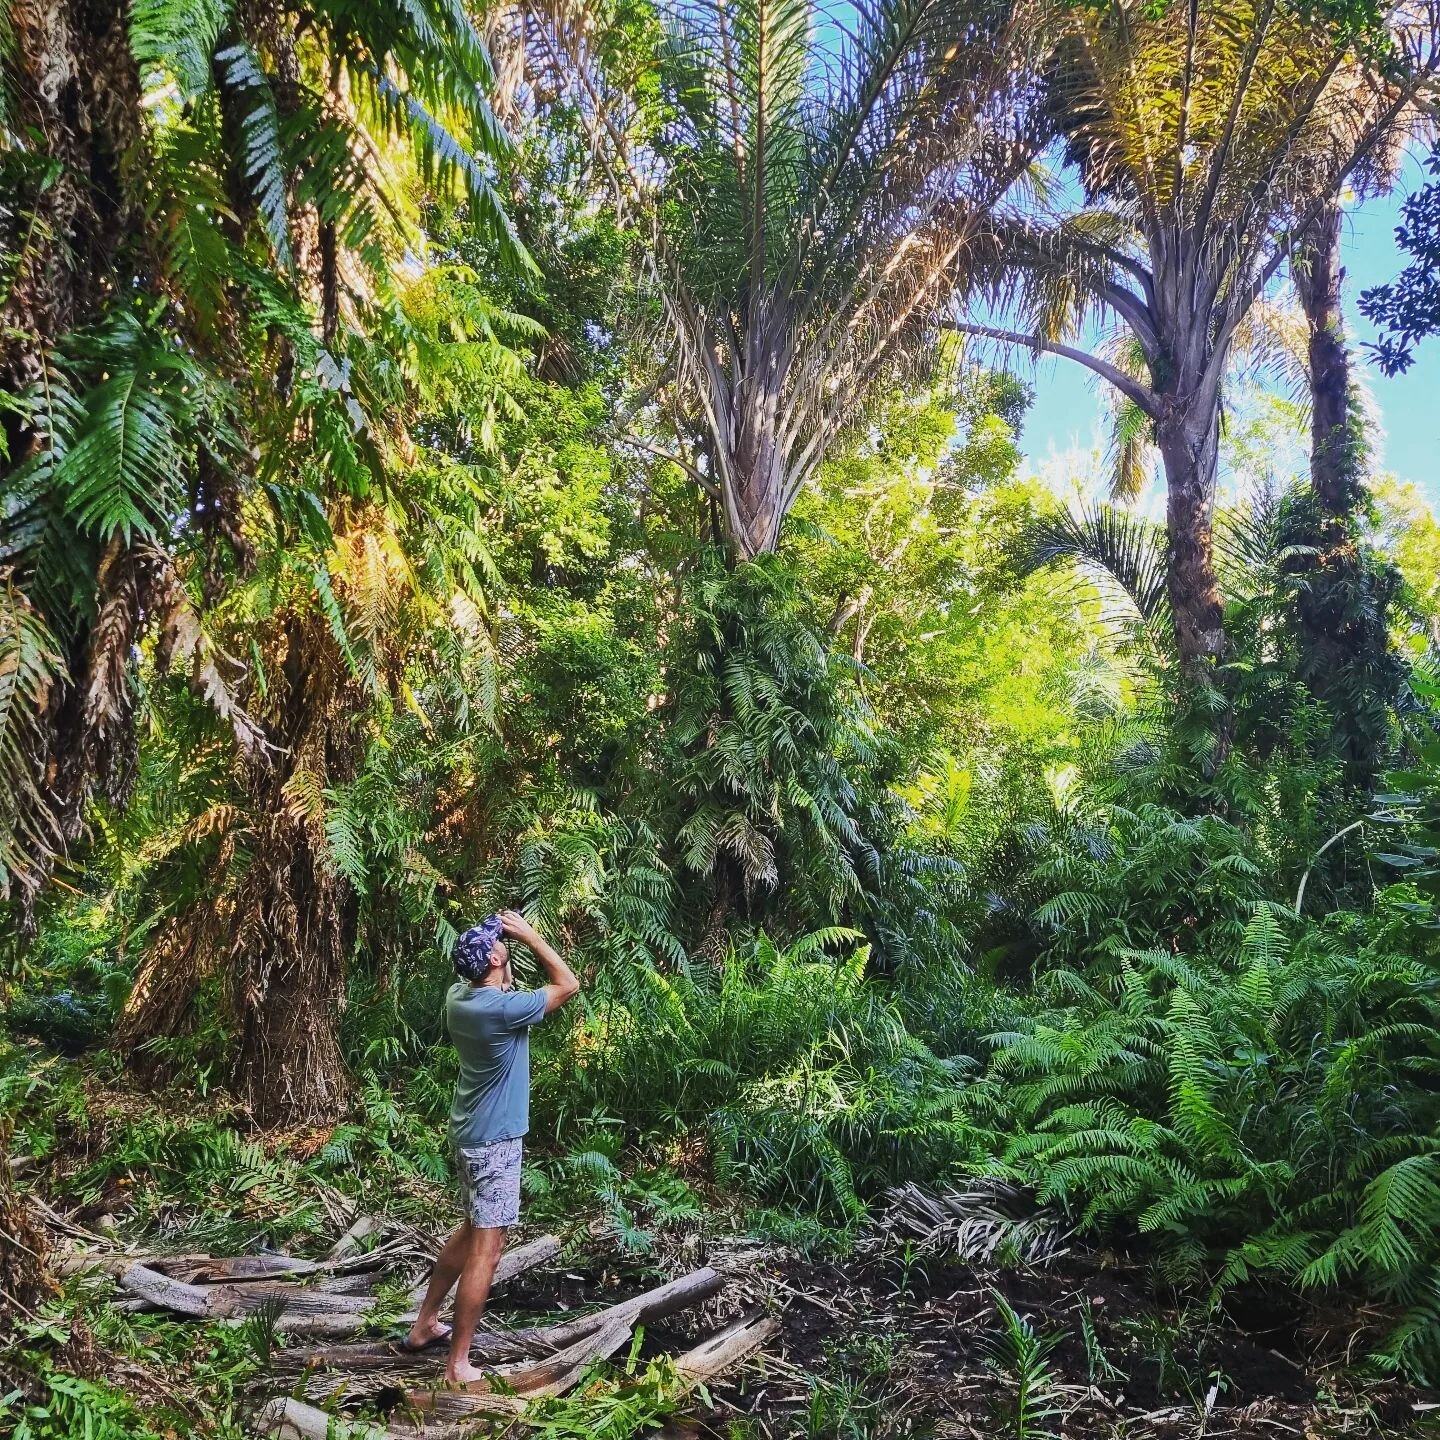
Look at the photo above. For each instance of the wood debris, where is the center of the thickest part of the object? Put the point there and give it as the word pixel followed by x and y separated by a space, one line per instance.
pixel 207 1287
pixel 448 1413
pixel 366 1370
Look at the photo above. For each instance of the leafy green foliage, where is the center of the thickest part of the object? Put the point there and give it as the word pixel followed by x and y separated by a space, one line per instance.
pixel 615 1402
pixel 1408 307
pixel 762 726
pixel 1017 1356
pixel 795 1069
pixel 72 1407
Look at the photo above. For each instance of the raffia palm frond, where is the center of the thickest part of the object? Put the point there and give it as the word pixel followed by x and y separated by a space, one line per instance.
pixel 990 1222
pixel 809 200
pixel 1205 137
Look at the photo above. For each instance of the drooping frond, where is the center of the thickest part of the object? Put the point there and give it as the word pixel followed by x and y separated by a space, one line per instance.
pixel 1126 547
pixel 175 40
pixel 121 420
pixel 30 665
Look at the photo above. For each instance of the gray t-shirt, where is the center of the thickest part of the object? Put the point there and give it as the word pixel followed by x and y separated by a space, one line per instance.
pixel 491 1031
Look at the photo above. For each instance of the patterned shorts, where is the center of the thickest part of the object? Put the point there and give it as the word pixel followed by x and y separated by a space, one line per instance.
pixel 490 1183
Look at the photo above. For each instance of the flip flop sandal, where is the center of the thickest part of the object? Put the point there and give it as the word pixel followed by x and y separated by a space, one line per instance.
pixel 410 1349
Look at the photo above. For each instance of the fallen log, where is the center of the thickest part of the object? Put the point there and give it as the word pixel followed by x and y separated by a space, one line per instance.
pixel 226 1302
pixel 553 1376
pixel 208 1270
pixel 212 1269
pixel 386 1361
pixel 306 1309
pixel 443 1414
pixel 113 1262
pixel 721 1352
pixel 346 1318
pixel 352 1282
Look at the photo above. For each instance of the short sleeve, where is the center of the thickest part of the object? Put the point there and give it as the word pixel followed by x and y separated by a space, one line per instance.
pixel 524 1008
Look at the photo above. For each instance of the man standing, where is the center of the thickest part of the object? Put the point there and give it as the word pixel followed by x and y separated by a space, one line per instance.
pixel 489 1021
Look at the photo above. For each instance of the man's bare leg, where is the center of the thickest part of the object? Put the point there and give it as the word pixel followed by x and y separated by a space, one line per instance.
pixel 427 1328
pixel 470 1298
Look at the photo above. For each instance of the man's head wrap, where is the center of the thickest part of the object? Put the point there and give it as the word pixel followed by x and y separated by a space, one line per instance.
pixel 472 949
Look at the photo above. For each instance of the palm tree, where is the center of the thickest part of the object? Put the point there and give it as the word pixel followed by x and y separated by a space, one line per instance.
pixel 209 367
pixel 808 193
pixel 185 188
pixel 1208 139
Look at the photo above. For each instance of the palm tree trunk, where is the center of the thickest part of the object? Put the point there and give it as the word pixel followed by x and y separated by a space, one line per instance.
pixel 756 506
pixel 1333 457
pixel 277 926
pixel 1343 597
pixel 1188 438
pixel 23 1281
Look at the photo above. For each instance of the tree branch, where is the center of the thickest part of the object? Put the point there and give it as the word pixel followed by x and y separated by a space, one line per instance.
pixel 1127 385
pixel 698 476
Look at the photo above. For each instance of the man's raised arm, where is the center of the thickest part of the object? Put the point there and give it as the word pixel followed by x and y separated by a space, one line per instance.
pixel 563 985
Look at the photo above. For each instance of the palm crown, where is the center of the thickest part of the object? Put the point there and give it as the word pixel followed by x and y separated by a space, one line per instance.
pixel 811 194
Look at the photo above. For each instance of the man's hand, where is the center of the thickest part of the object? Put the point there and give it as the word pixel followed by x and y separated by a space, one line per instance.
pixel 517 927
pixel 563 985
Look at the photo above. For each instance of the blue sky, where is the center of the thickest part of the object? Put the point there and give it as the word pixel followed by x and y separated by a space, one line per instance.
pixel 1068 408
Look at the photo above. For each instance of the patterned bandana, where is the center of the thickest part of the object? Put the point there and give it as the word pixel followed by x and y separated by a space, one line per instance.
pixel 472 949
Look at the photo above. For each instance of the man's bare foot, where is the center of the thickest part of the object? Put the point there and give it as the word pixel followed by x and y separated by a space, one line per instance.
pixel 462 1372
pixel 424 1333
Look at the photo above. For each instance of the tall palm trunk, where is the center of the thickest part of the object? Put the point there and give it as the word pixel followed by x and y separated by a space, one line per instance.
pixel 295 914
pixel 1343 592
pixel 756 510
pixel 1187 435
pixel 1333 452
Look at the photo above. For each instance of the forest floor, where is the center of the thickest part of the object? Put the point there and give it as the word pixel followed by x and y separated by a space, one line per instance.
pixel 885 1337
pixel 885 1342
pixel 890 1341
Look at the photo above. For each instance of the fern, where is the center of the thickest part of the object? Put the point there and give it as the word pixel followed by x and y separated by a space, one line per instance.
pixel 175 39
pixel 264 159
